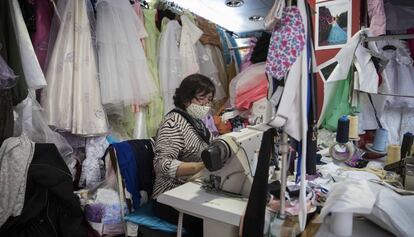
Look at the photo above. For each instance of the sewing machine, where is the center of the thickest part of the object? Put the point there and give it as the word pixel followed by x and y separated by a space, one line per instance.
pixel 231 162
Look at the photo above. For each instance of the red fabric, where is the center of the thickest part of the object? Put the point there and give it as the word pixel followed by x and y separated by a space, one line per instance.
pixel 410 42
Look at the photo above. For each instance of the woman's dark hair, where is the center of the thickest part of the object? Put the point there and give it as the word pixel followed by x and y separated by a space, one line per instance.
pixel 190 87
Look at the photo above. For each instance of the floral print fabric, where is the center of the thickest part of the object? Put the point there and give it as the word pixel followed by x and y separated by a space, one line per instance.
pixel 286 43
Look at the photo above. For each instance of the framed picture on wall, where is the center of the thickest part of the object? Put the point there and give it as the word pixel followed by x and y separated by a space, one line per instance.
pixel 333 21
pixel 326 68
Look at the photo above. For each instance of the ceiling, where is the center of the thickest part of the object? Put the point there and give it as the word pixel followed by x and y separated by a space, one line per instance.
pixel 235 19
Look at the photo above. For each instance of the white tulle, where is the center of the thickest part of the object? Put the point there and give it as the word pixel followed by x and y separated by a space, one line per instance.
pixel 7 76
pixel 123 70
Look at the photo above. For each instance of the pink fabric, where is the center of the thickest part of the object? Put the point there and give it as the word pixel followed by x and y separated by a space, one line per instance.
pixel 251 93
pixel 286 43
pixel 377 17
pixel 40 38
pixel 137 8
pixel 410 42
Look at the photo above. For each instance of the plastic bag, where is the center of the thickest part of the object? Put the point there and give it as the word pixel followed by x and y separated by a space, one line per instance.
pixel 7 77
pixel 248 86
pixel 105 208
pixel 31 122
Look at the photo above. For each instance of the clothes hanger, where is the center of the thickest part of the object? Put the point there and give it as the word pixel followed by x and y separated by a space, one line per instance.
pixel 389 47
pixel 144 4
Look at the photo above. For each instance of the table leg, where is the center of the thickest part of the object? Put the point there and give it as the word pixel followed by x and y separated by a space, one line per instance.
pixel 212 228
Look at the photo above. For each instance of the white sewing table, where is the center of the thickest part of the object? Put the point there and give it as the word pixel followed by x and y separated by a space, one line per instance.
pixel 221 214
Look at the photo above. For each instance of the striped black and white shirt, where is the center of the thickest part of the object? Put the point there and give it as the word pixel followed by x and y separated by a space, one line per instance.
pixel 176 142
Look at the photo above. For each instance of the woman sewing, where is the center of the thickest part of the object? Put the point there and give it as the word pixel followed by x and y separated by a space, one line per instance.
pixel 180 140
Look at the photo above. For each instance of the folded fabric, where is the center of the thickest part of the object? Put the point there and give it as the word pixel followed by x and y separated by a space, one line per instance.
pixel 145 216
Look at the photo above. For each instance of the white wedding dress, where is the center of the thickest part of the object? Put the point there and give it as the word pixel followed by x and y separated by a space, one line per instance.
pixel 72 99
pixel 123 70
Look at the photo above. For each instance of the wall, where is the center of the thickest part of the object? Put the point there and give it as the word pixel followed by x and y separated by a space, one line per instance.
pixel 326 54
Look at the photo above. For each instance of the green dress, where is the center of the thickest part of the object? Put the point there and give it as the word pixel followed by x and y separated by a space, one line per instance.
pixel 339 105
pixel 155 109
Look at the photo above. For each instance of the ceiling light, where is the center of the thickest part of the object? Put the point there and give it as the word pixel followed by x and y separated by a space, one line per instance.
pixel 234 3
pixel 256 18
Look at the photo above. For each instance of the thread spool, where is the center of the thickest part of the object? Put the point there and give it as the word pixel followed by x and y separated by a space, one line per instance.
pixel 342 152
pixel 407 144
pixel 393 154
pixel 342 132
pixel 412 151
pixel 380 142
pixel 353 127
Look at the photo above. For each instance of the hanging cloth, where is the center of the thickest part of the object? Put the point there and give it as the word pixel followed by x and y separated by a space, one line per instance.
pixel 155 109
pixel 124 75
pixel 31 68
pixel 190 35
pixel 169 62
pixel 339 104
pixel 72 99
pixel 40 38
pixel 377 17
pixel 286 44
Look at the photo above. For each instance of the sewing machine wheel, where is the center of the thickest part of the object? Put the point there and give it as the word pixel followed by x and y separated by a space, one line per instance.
pixel 215 155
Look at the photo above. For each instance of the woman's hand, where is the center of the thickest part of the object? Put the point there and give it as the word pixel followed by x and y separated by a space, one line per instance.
pixel 189 168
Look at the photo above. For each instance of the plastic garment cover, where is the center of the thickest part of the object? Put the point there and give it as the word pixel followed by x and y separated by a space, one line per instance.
pixel 7 77
pixel 245 81
pixel 395 113
pixel 140 130
pixel 209 69
pixel 274 15
pixel 169 63
pixel 30 121
pixel 216 55
pixel 399 71
pixel 190 35
pixel 31 68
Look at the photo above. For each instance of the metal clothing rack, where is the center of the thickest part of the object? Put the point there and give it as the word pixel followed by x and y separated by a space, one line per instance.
pixel 386 94
pixel 241 47
pixel 389 37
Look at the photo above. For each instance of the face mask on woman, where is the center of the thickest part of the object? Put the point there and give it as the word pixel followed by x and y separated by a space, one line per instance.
pixel 198 111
